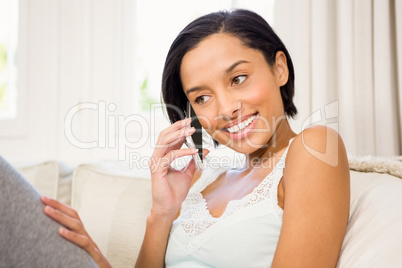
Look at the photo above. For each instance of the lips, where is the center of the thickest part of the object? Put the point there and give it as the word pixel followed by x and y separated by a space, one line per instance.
pixel 237 122
pixel 237 134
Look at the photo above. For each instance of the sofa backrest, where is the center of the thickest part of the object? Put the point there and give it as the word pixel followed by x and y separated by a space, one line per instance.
pixel 113 204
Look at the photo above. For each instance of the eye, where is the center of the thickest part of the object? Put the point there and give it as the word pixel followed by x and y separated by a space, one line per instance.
pixel 238 80
pixel 201 99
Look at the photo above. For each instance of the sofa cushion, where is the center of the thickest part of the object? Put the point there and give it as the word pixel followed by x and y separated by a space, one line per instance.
pixel 50 178
pixel 113 203
pixel 373 237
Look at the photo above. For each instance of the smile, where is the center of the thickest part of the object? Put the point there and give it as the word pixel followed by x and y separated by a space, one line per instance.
pixel 241 125
pixel 242 129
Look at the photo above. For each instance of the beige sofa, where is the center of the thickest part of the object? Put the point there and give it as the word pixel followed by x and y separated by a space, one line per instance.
pixel 114 201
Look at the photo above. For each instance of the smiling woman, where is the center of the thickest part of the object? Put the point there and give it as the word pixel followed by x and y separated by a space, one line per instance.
pixel 239 78
pixel 292 212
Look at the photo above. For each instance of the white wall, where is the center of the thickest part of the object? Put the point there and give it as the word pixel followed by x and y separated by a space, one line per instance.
pixel 80 55
pixel 73 53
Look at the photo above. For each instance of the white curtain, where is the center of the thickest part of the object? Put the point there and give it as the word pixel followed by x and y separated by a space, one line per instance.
pixel 348 65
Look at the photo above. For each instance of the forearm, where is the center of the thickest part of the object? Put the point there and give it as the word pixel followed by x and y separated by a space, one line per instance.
pixel 153 249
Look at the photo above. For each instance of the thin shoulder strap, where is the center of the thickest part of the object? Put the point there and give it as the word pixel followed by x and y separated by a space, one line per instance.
pixel 277 176
pixel 283 158
pixel 208 176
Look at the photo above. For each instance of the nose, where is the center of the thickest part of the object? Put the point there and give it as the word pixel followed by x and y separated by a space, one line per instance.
pixel 229 107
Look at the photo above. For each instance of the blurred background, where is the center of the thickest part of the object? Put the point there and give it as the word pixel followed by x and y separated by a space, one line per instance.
pixel 80 79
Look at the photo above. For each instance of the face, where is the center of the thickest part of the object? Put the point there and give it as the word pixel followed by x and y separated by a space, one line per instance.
pixel 234 91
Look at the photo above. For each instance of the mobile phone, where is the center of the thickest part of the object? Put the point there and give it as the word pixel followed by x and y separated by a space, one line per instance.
pixel 195 140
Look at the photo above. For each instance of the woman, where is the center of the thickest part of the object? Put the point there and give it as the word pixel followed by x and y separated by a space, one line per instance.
pixel 238 77
pixel 289 205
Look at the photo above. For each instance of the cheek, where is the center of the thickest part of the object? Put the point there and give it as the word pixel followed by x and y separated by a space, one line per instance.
pixel 259 95
pixel 206 121
pixel 266 94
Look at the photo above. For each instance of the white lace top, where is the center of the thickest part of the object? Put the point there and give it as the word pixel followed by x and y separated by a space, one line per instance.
pixel 245 235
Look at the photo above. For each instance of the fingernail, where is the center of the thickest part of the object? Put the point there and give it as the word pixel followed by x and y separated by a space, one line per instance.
pixel 189 130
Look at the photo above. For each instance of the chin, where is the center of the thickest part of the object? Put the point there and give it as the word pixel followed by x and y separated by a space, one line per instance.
pixel 247 149
pixel 245 146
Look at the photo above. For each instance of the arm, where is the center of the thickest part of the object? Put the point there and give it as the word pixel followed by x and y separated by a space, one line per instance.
pixel 316 200
pixel 169 189
pixel 156 236
pixel 153 249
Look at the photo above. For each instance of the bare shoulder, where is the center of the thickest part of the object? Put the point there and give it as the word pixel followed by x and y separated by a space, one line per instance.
pixel 318 156
pixel 320 146
pixel 316 200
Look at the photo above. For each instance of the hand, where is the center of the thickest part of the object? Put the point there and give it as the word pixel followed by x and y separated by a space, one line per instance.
pixel 74 230
pixel 171 186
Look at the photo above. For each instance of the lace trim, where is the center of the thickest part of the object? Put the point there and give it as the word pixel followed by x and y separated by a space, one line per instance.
pixel 196 221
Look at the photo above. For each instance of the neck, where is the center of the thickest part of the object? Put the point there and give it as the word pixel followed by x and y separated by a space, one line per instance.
pixel 279 140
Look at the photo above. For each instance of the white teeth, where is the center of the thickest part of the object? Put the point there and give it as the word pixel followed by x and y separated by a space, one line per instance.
pixel 241 125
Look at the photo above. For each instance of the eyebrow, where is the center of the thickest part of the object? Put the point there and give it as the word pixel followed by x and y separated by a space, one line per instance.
pixel 234 65
pixel 228 70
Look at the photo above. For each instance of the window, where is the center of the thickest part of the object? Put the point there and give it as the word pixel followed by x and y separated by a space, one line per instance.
pixel 8 69
pixel 158 23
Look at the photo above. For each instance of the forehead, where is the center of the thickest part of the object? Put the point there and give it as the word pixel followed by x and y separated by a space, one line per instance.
pixel 216 53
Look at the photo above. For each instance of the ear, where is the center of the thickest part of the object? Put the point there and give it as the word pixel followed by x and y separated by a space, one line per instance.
pixel 281 68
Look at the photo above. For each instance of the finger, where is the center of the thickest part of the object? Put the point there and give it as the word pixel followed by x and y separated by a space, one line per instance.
pixel 59 206
pixel 172 140
pixel 65 220
pixel 82 241
pixel 177 126
pixel 164 163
